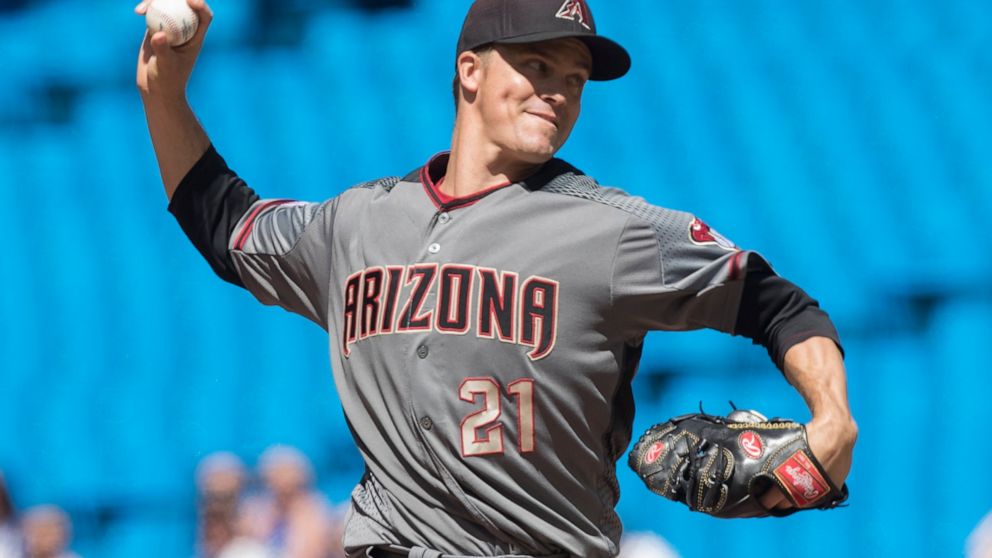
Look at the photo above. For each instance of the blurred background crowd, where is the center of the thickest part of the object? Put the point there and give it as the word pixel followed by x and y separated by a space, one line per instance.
pixel 274 511
pixel 271 512
pixel 846 140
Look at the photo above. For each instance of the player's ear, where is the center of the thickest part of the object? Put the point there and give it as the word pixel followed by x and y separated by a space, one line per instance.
pixel 471 67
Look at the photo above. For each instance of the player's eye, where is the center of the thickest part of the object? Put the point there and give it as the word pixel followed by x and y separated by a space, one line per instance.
pixel 537 65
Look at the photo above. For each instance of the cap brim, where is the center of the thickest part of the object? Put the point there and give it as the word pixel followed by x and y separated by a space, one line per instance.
pixel 609 59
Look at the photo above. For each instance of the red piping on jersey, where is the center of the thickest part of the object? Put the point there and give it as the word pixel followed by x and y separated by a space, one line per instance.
pixel 444 201
pixel 441 196
pixel 735 265
pixel 250 223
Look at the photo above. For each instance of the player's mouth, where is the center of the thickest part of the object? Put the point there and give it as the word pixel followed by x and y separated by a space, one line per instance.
pixel 550 118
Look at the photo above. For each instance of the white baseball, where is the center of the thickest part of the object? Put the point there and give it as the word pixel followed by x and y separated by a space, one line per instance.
pixel 175 17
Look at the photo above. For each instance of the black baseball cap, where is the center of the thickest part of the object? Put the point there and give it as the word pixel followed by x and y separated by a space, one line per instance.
pixel 530 21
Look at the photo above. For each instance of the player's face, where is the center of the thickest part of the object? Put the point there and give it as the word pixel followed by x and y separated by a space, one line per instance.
pixel 530 96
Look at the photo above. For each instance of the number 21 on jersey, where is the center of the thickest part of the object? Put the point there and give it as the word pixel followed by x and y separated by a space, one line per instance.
pixel 480 432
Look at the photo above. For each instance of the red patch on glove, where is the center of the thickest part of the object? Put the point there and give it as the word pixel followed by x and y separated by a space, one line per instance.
pixel 803 481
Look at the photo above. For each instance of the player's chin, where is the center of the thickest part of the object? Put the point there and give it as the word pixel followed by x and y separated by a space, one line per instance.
pixel 539 148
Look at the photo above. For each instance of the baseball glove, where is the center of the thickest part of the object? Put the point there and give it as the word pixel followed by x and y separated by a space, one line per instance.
pixel 722 465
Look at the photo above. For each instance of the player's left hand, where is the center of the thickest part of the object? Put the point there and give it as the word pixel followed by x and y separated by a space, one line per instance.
pixel 832 442
pixel 722 466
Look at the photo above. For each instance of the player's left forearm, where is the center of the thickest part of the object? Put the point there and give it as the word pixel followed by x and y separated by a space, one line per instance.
pixel 815 367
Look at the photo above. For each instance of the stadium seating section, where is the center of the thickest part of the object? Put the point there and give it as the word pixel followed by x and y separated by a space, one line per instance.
pixel 843 139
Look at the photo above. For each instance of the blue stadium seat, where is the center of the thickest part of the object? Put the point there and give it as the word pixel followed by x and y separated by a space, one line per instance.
pixel 151 536
pixel 961 387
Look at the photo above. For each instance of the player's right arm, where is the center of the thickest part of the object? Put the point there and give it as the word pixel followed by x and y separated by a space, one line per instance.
pixel 274 248
pixel 162 76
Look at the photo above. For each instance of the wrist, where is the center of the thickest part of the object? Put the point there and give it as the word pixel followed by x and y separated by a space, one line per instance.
pixel 163 101
pixel 839 424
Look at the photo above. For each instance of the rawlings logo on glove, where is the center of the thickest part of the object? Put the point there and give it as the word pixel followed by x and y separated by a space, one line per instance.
pixel 722 465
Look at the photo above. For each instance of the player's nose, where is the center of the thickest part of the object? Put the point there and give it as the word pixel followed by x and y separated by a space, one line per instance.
pixel 555 96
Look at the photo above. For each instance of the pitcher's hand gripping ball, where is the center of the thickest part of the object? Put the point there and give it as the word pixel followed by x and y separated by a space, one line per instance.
pixel 722 465
pixel 175 18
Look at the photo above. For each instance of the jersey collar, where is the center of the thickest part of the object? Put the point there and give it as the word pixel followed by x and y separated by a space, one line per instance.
pixel 432 174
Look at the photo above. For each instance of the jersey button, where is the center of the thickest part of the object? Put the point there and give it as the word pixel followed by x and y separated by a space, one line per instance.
pixel 426 423
pixel 443 218
pixel 422 351
pixel 434 248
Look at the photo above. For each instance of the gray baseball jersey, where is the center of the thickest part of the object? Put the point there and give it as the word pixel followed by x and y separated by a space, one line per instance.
pixel 483 348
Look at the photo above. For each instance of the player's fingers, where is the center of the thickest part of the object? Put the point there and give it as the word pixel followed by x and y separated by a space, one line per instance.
pixel 769 499
pixel 200 6
pixel 202 10
pixel 144 63
pixel 146 48
pixel 773 498
pixel 142 7
pixel 205 16
pixel 160 46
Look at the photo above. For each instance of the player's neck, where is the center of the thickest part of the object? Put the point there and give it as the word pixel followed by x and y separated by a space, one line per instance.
pixel 476 164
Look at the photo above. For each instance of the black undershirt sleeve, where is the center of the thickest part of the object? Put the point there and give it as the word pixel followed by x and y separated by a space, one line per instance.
pixel 208 204
pixel 778 315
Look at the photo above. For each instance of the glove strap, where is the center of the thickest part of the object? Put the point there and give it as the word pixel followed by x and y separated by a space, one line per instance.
pixel 805 482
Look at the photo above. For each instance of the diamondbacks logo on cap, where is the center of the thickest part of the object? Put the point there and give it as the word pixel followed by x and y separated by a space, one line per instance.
pixel 574 10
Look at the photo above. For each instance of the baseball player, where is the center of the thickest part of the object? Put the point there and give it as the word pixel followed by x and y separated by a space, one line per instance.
pixel 486 310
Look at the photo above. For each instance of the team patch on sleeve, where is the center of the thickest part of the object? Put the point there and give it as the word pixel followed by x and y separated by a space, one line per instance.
pixel 702 234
